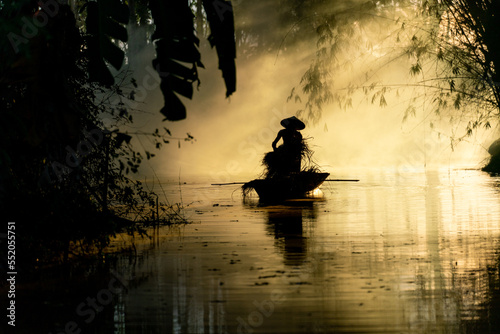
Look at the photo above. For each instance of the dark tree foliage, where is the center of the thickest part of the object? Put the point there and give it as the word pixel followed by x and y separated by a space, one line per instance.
pixel 221 21
pixel 473 55
pixel 45 105
pixel 104 21
pixel 176 45
pixel 64 178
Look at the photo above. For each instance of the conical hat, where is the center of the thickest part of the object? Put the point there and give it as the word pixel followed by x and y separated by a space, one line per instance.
pixel 293 122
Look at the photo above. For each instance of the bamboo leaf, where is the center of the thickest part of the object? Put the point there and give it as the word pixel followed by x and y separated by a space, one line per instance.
pixel 104 21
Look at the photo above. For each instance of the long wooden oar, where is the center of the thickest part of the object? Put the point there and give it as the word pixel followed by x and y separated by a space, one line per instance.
pixel 332 180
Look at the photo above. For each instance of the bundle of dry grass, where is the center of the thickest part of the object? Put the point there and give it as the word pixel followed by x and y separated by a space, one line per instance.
pixel 285 160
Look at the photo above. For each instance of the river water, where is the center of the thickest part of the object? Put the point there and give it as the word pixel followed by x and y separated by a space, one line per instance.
pixel 396 252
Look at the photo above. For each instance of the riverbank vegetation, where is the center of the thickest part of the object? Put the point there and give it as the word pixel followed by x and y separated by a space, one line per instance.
pixel 66 169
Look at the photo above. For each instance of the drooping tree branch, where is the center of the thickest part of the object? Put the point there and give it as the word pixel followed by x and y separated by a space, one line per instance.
pixel 452 43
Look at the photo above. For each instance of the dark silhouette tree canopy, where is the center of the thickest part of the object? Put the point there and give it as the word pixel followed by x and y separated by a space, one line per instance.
pixel 57 156
pixel 105 20
pixel 176 45
pixel 174 36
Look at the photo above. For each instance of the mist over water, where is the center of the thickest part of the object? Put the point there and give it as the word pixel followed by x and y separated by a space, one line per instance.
pixel 232 135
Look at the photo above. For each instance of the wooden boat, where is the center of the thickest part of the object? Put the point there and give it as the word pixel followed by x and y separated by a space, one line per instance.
pixel 293 185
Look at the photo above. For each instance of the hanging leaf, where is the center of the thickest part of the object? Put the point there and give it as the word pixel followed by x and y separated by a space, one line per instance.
pixel 221 21
pixel 383 102
pixel 122 137
pixel 175 42
pixel 105 20
pixel 173 110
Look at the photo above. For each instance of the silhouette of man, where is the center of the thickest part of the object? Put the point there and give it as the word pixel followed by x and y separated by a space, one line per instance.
pixel 288 155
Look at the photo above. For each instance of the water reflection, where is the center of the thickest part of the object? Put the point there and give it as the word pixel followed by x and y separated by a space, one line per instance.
pixel 286 224
pixel 413 253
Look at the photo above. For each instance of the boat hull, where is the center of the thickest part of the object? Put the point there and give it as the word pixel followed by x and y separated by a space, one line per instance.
pixel 295 185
